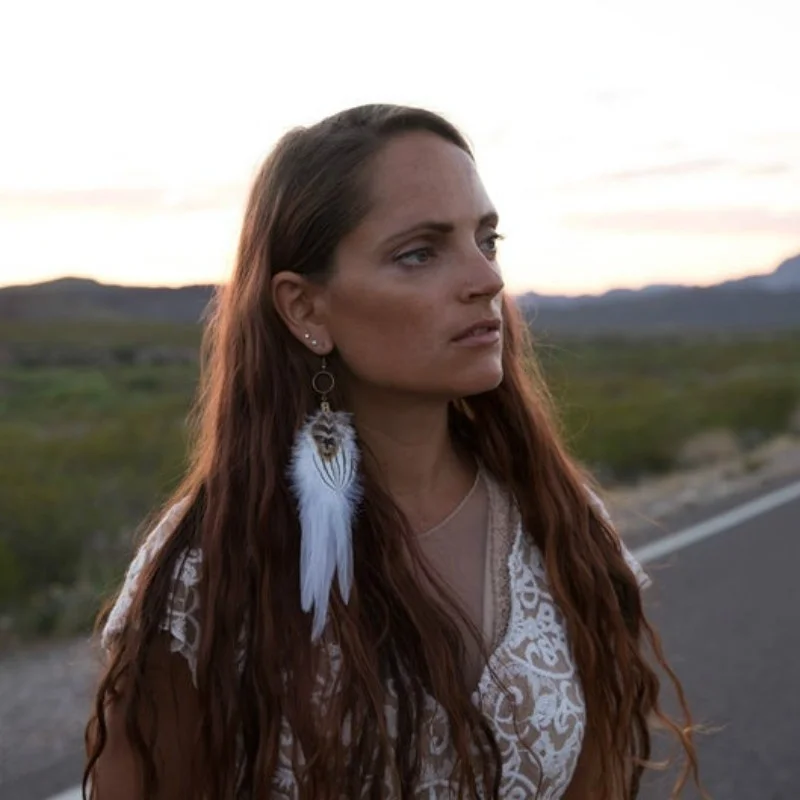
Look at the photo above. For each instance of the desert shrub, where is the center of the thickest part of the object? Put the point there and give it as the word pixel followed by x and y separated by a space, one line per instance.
pixel 628 406
pixel 93 436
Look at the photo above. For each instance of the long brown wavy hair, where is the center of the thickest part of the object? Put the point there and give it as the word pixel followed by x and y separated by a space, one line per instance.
pixel 255 393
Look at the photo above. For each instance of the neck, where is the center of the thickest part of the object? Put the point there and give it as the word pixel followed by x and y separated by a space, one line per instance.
pixel 408 444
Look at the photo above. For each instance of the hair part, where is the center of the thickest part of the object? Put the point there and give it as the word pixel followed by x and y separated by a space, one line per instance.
pixel 254 394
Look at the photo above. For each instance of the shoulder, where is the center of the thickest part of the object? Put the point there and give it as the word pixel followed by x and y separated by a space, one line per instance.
pixel 642 578
pixel 182 618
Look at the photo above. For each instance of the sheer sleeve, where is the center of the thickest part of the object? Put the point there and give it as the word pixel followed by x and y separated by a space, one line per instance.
pixel 182 619
pixel 642 578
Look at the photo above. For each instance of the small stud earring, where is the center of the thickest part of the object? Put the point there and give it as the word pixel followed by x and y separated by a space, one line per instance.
pixel 313 342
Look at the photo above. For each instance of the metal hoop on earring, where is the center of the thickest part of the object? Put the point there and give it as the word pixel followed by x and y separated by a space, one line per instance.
pixel 324 375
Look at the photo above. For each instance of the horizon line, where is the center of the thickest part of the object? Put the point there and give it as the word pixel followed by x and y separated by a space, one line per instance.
pixel 517 293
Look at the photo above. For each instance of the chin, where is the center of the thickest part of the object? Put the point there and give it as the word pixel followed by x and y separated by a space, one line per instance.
pixel 480 379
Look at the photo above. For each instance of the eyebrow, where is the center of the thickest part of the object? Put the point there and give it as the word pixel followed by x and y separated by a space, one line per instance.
pixel 490 219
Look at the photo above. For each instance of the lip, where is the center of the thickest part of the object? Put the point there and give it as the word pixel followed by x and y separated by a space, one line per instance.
pixel 486 331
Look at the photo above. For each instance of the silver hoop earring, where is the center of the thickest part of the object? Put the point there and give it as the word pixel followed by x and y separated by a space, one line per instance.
pixel 324 478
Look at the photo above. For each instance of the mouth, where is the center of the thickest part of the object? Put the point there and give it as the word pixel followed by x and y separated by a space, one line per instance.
pixel 484 332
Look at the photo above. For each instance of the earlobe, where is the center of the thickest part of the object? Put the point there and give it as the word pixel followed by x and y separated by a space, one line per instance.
pixel 321 348
pixel 297 301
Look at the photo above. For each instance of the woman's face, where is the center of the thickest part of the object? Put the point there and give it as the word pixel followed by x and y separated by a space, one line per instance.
pixel 419 272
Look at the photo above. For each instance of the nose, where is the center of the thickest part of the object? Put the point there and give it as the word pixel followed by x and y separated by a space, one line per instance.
pixel 483 278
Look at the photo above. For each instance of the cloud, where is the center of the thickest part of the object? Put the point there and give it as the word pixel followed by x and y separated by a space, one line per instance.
pixel 694 167
pixel 681 169
pixel 613 97
pixel 129 200
pixel 777 168
pixel 777 139
pixel 706 221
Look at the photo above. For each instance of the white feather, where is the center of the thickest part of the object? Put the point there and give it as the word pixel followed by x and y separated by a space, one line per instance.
pixel 327 492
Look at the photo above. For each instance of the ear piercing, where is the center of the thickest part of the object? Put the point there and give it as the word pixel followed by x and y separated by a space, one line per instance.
pixel 307 336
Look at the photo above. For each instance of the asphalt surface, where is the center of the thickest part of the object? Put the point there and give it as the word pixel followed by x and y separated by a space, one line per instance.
pixel 728 612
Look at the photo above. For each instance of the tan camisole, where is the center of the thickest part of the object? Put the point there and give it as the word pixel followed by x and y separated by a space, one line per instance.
pixel 458 548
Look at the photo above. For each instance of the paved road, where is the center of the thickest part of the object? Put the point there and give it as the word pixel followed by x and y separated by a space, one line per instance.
pixel 728 609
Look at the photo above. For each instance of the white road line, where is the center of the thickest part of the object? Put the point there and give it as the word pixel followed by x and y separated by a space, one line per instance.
pixel 70 794
pixel 665 546
pixel 723 522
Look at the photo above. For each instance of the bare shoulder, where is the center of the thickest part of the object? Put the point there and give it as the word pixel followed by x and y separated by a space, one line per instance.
pixel 167 712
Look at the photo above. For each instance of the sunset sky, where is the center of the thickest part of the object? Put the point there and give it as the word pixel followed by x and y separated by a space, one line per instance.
pixel 623 142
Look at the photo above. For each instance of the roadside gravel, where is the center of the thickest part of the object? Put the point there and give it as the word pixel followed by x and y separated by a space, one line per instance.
pixel 639 511
pixel 45 695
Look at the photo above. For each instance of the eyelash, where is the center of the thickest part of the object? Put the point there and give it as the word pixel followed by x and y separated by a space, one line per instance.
pixel 496 237
pixel 428 251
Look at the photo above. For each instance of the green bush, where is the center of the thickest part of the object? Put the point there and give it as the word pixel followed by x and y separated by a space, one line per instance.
pixel 627 406
pixel 93 435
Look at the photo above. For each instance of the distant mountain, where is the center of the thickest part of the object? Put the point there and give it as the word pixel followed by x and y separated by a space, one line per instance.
pixel 570 301
pixel 786 276
pixel 715 309
pixel 79 299
pixel 765 302
pixel 756 303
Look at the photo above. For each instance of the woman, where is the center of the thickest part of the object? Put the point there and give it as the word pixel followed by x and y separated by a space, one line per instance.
pixel 383 576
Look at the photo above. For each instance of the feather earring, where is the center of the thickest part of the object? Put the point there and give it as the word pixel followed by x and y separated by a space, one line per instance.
pixel 324 478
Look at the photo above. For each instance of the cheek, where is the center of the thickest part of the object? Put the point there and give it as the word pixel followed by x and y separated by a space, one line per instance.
pixel 383 339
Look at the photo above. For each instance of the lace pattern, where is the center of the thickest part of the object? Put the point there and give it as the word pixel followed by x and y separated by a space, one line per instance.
pixel 530 690
pixel 642 578
pixel 539 720
pixel 182 623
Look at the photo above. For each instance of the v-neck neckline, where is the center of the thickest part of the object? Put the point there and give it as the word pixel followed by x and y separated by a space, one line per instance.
pixel 501 541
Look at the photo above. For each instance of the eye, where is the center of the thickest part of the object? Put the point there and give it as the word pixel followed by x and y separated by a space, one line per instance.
pixel 489 243
pixel 415 258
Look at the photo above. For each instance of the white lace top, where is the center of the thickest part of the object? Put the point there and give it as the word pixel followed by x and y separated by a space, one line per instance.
pixel 538 723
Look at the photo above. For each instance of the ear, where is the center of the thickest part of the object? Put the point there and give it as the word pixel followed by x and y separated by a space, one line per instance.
pixel 299 303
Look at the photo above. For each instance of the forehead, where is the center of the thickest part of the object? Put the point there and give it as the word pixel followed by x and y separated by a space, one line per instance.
pixel 420 176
